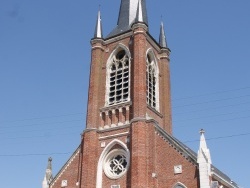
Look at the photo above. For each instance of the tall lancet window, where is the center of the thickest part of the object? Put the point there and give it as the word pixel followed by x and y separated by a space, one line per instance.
pixel 118 81
pixel 152 82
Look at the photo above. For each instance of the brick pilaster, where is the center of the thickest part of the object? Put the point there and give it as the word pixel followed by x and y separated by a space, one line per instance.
pixel 138 86
pixel 93 118
pixel 165 94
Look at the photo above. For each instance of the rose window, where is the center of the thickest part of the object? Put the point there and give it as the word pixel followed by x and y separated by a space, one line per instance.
pixel 116 164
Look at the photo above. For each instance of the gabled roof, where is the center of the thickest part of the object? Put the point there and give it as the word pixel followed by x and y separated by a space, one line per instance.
pixel 65 166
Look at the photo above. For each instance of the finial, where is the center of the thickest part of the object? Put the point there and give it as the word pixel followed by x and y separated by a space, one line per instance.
pixel 202 131
pixel 49 163
pixel 50 159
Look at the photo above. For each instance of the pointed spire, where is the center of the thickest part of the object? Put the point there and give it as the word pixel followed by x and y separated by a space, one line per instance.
pixel 49 170
pixel 48 174
pixel 49 166
pixel 162 38
pixel 128 15
pixel 98 28
pixel 139 15
pixel 203 144
pixel 204 161
pixel 203 150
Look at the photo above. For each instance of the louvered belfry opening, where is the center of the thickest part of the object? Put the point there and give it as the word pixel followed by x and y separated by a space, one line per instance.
pixel 119 78
pixel 151 82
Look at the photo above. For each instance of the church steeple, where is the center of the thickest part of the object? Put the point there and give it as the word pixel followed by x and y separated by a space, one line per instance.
pixel 162 38
pixel 98 28
pixel 128 14
pixel 128 139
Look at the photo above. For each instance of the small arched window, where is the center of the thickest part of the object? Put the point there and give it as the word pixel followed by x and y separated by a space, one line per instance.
pixel 152 82
pixel 119 76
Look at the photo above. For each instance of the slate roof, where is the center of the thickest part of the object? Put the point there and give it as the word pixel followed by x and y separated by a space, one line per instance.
pixel 127 16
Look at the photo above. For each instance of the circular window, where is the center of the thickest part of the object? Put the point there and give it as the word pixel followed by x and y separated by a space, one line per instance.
pixel 116 163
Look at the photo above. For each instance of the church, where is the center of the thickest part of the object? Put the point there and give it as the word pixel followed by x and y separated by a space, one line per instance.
pixel 128 140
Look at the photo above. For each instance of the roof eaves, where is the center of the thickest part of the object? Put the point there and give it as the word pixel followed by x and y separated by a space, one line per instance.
pixel 219 175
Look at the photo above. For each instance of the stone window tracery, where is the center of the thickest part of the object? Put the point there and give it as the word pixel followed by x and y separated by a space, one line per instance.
pixel 119 76
pixel 151 81
pixel 116 163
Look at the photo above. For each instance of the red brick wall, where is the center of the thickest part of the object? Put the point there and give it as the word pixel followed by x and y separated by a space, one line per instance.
pixel 90 158
pixel 70 172
pixel 149 153
pixel 152 154
pixel 94 84
pixel 101 51
pixel 166 158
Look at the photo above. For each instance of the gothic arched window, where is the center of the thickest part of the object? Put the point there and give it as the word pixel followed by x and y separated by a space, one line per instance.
pixel 152 82
pixel 118 78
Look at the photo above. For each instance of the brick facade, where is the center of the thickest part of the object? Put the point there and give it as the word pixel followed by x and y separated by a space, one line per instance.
pixel 143 132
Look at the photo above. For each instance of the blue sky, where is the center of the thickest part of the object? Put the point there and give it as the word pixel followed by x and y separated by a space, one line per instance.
pixel 44 72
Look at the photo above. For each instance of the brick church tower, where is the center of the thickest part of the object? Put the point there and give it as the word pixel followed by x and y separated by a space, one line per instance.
pixel 128 139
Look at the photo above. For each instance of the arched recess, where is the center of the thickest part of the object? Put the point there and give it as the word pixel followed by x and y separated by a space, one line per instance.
pixel 103 155
pixel 152 78
pixel 118 76
pixel 179 185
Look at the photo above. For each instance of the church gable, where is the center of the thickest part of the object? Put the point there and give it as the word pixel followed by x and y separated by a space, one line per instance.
pixel 173 165
pixel 68 176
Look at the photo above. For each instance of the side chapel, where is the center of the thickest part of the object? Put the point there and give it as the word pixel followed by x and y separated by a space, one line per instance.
pixel 128 140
